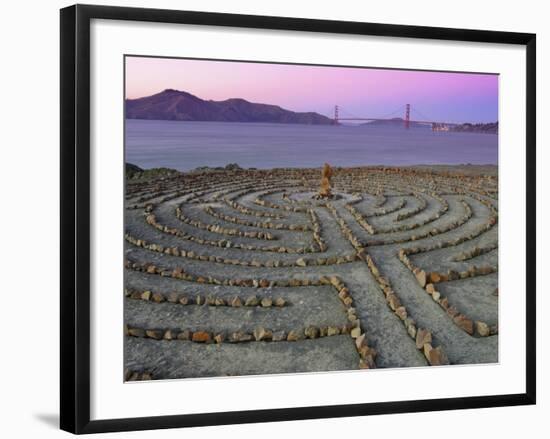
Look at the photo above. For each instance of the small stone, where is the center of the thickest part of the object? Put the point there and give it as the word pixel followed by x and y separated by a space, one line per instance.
pixel 335 281
pixel 361 341
pixel 366 351
pixel 136 332
pixel 201 337
pixel 332 330
pixel 146 376
pixel 158 297
pixel 352 317
pixel 435 356
pixel 301 262
pixel 185 335
pixel 343 293
pixel 452 311
pixel 278 336
pixel 236 302
pixel 311 332
pixel 411 330
pixel 199 300
pixel 423 336
pixel 235 337
pixel 219 338
pixel 453 275
pixel 295 335
pixel 483 329
pixel 251 301
pixel 264 283
pixel 184 300
pixel 279 301
pixel 168 335
pixel 464 323
pixel 485 269
pixel 421 278
pixel 219 301
pixel 355 332
pixel 266 302
pixel 436 295
pixel 393 301
pixel 430 288
pixel 435 277
pixel 260 333
pixel 401 312
pixel 146 295
pixel 154 334
pixel 427 348
pixel 173 297
pixel 243 336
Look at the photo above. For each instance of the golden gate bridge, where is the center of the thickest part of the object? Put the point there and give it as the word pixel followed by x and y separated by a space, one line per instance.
pixel 407 121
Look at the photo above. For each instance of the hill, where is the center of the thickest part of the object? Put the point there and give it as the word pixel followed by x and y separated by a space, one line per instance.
pixel 179 105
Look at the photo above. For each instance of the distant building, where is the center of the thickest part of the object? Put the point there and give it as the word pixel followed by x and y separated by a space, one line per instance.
pixel 440 127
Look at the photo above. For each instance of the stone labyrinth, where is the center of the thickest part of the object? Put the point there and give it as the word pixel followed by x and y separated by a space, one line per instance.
pixel 238 272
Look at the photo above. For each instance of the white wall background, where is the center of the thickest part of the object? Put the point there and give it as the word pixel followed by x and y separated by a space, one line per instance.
pixel 29 182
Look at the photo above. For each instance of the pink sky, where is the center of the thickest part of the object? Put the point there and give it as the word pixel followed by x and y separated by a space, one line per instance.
pixel 369 92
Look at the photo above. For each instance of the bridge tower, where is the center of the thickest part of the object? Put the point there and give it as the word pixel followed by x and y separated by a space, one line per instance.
pixel 407 115
pixel 335 121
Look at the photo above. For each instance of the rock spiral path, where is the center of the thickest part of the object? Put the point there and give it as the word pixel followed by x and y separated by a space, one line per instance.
pixel 245 272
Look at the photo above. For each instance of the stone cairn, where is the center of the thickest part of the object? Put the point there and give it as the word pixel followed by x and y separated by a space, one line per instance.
pixel 325 187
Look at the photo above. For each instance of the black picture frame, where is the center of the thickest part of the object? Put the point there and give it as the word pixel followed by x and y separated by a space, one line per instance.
pixel 75 217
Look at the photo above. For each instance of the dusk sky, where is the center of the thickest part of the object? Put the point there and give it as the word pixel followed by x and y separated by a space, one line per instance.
pixel 445 97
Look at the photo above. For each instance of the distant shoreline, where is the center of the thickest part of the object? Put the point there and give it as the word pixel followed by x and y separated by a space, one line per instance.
pixel 465 169
pixel 346 125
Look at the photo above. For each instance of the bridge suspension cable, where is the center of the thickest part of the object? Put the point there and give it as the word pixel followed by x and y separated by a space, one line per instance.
pixel 419 113
pixel 398 111
pixel 340 111
pixel 347 113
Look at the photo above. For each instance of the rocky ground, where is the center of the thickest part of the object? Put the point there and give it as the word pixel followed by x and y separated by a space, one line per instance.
pixel 236 272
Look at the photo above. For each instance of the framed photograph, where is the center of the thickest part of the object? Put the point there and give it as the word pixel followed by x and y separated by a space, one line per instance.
pixel 273 218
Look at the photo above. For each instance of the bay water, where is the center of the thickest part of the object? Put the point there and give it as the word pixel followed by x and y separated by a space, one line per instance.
pixel 187 145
